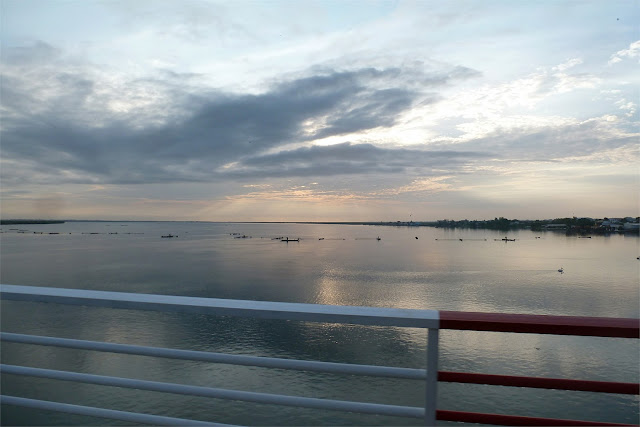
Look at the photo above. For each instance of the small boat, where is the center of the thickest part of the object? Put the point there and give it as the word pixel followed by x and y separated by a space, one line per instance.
pixel 168 236
pixel 321 238
pixel 290 240
pixel 561 270
pixel 378 238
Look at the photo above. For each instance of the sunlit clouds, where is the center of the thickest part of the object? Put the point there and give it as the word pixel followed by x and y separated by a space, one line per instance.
pixel 205 110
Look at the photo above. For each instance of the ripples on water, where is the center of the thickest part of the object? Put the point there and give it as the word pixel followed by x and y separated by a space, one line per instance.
pixel 600 279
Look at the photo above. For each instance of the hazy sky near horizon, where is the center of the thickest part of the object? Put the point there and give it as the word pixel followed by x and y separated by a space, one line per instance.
pixel 319 110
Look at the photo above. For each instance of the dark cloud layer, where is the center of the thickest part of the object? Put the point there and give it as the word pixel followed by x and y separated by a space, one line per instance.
pixel 347 158
pixel 58 119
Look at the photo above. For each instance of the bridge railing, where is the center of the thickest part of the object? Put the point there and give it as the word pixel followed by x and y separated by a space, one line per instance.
pixel 430 320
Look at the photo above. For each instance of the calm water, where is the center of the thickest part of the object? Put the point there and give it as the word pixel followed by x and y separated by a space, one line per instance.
pixel 348 267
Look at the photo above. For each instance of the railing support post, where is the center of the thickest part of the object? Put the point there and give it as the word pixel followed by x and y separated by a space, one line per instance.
pixel 432 377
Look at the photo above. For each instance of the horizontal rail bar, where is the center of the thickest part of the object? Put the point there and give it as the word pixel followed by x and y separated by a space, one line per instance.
pixel 103 413
pixel 523 323
pixel 513 420
pixel 533 382
pixel 233 359
pixel 246 396
pixel 379 316
pixel 541 324
pixel 328 367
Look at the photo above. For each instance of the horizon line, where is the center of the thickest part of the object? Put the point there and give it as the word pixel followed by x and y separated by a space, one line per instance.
pixel 298 221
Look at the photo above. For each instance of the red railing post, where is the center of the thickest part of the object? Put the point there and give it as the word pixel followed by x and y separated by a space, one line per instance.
pixel 535 324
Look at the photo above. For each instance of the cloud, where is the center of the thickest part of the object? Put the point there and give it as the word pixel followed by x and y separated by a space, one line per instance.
pixel 550 97
pixel 585 139
pixel 628 106
pixel 67 121
pixel 632 52
pixel 348 159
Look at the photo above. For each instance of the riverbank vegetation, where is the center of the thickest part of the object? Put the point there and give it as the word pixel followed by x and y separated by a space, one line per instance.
pixel 29 221
pixel 570 225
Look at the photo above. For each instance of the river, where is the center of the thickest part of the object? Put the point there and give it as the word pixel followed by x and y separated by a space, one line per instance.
pixel 409 267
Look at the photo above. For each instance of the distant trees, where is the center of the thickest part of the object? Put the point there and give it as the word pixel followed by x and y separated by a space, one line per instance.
pixel 29 221
pixel 503 223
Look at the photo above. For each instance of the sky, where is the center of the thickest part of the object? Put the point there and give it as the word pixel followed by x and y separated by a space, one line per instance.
pixel 319 110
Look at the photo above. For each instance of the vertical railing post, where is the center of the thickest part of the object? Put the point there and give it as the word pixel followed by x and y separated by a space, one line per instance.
pixel 432 377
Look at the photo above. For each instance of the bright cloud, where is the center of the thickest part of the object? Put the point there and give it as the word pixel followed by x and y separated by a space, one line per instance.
pixel 632 52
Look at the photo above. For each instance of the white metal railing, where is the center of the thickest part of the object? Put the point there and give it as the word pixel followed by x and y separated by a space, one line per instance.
pixel 232 359
pixel 427 319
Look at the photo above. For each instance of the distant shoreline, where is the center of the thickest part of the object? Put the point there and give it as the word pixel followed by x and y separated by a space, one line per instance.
pixel 571 225
pixel 30 221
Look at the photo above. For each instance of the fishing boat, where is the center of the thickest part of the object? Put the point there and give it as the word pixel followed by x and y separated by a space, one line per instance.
pixel 290 240
pixel 168 236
